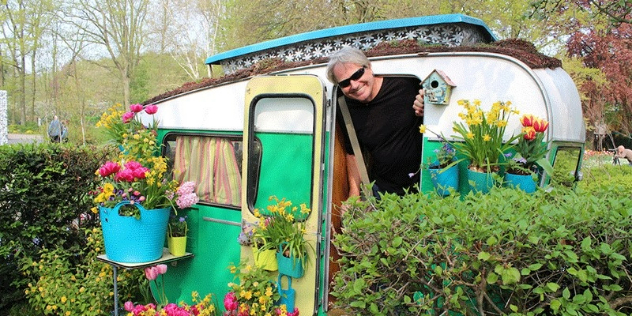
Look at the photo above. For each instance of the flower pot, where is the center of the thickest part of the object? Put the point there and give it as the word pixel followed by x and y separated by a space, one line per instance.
pixel 480 181
pixel 132 240
pixel 265 259
pixel 446 180
pixel 520 182
pixel 177 245
pixel 290 266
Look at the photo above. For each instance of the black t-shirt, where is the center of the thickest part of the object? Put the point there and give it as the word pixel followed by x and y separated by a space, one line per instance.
pixel 388 129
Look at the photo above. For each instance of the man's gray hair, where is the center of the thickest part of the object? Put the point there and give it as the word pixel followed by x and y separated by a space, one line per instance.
pixel 346 55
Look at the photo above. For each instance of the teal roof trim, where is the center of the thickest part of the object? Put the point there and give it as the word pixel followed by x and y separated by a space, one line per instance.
pixel 350 29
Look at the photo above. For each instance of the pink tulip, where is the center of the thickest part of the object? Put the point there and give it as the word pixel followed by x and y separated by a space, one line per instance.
pixel 151 109
pixel 161 269
pixel 133 165
pixel 129 306
pixel 140 173
pixel 230 302
pixel 150 273
pixel 109 168
pixel 136 108
pixel 125 175
pixel 127 117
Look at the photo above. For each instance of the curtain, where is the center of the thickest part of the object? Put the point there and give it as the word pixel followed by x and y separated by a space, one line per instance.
pixel 209 162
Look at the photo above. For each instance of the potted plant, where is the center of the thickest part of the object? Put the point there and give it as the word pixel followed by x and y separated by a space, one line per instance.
pixel 530 154
pixel 177 228
pixel 285 235
pixel 255 294
pixel 444 174
pixel 135 194
pixel 480 139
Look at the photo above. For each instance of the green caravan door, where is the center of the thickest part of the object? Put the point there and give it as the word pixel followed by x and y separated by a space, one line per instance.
pixel 284 123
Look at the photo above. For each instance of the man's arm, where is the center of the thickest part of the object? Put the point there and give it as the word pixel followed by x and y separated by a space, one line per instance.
pixel 353 176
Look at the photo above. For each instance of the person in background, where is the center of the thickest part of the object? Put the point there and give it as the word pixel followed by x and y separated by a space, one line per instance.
pixel 54 130
pixel 64 131
pixel 623 152
pixel 386 114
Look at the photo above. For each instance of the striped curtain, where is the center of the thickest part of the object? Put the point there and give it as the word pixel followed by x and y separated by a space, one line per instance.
pixel 209 162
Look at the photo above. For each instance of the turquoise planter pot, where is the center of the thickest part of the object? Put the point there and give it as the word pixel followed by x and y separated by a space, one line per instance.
pixel 128 239
pixel 290 266
pixel 520 182
pixel 480 181
pixel 446 180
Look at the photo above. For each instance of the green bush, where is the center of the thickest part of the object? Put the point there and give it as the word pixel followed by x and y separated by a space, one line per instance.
pixel 64 289
pixel 561 252
pixel 44 206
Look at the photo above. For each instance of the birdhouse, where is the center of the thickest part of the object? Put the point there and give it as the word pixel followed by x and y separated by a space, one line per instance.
pixel 437 88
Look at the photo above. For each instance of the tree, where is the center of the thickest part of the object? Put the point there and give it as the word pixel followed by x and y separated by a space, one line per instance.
pixel 118 27
pixel 24 24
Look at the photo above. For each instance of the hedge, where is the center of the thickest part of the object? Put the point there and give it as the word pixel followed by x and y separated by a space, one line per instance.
pixel 560 252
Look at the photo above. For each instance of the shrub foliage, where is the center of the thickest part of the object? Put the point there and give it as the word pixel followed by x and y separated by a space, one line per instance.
pixel 561 252
pixel 44 216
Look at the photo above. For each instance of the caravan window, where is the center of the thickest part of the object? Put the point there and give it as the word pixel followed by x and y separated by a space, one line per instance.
pixel 212 162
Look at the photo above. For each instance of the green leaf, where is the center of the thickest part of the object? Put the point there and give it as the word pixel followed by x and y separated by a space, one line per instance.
pixel 483 256
pixel 552 287
pixel 359 285
pixel 492 278
pixel 556 304
pixel 491 241
pixel 397 241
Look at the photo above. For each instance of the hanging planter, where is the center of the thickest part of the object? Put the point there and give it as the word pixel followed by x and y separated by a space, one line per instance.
pixel 290 265
pixel 480 181
pixel 445 179
pixel 265 259
pixel 520 182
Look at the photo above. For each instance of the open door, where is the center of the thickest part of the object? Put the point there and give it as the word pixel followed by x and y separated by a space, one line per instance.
pixel 283 156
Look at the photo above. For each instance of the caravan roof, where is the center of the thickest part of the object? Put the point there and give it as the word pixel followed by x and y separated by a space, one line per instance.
pixel 448 30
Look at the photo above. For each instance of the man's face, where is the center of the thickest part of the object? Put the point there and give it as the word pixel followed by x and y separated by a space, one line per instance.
pixel 362 88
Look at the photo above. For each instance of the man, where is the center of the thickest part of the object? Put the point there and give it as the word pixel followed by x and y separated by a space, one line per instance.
pixel 54 130
pixel 622 152
pixel 386 114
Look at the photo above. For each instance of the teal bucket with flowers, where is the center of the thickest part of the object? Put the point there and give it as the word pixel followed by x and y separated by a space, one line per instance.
pixel 134 239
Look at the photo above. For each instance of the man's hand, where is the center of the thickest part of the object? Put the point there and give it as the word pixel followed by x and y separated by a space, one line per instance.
pixel 418 105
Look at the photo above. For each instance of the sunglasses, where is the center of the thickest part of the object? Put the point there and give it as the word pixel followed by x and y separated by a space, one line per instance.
pixel 356 75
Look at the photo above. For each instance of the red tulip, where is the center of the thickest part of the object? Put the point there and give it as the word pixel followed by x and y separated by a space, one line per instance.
pixel 528 133
pixel 527 120
pixel 540 125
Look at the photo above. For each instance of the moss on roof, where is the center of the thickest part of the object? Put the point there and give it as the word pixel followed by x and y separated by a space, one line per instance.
pixel 519 49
